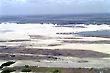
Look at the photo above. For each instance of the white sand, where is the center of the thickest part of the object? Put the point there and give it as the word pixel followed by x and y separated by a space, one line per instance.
pixel 105 48
pixel 22 32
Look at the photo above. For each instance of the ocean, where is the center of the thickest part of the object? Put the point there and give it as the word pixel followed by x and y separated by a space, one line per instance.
pixel 58 19
pixel 87 19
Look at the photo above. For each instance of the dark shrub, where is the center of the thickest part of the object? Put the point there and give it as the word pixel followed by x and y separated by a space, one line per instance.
pixel 56 71
pixel 26 70
pixel 26 66
pixel 7 63
pixel 1 67
pixel 7 70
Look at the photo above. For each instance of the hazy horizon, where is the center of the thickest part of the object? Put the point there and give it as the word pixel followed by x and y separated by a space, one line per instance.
pixel 53 7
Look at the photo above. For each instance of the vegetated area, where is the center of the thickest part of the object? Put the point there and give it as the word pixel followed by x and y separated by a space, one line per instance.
pixel 4 67
pixel 36 69
pixel 7 64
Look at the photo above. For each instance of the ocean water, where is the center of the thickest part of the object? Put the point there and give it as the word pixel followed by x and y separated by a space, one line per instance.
pixel 59 19
pixel 101 33
pixel 92 19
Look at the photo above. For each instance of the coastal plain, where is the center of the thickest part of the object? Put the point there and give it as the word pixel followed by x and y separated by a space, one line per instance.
pixel 48 45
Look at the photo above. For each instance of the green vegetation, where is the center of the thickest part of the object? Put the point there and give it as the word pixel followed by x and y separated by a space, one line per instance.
pixel 26 69
pixel 26 66
pixel 56 71
pixel 36 69
pixel 8 70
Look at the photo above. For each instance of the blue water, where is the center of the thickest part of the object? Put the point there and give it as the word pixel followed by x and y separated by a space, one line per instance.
pixel 101 33
pixel 64 19
pixel 59 19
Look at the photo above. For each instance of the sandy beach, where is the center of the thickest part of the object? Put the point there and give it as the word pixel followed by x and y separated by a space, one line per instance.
pixel 44 36
pixel 30 38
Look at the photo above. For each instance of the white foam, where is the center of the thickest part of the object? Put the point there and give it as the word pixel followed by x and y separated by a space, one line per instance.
pixel 92 27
